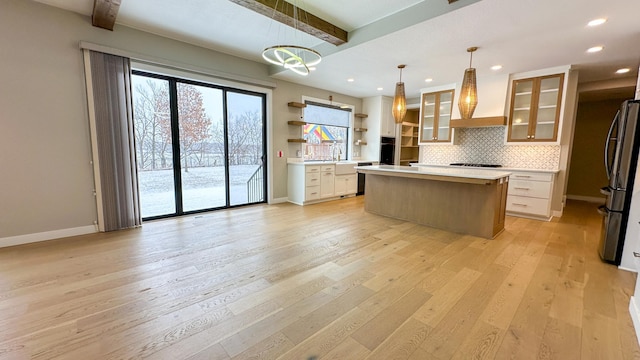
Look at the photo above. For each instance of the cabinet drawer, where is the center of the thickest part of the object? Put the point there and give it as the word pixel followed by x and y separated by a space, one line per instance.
pixel 531 176
pixel 312 193
pixel 312 169
pixel 326 168
pixel 537 189
pixel 312 179
pixel 528 205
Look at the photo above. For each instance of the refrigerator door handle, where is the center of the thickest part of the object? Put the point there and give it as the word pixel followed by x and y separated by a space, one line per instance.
pixel 607 166
pixel 602 210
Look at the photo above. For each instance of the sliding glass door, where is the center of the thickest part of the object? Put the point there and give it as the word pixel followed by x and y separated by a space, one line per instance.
pixel 246 133
pixel 199 147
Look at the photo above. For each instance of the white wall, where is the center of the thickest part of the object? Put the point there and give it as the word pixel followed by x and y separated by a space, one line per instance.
pixel 47 179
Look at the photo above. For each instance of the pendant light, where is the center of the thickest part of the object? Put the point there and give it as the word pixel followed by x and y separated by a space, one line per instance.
pixel 469 92
pixel 399 100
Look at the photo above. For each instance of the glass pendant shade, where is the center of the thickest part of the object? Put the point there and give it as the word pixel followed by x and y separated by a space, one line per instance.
pixel 399 100
pixel 468 95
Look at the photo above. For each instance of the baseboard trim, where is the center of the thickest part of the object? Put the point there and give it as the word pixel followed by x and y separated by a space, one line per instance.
pixel 635 316
pixel 279 200
pixel 47 235
pixel 627 269
pixel 591 199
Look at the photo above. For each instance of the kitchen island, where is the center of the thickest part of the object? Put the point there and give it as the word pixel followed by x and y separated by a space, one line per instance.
pixel 461 200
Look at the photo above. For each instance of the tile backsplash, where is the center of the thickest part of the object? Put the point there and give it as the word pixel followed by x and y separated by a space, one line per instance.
pixel 486 146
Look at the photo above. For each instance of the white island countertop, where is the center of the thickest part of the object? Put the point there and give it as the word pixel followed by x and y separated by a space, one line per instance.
pixel 436 173
pixel 553 171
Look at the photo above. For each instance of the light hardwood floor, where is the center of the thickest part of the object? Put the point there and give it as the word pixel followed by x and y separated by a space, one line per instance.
pixel 326 281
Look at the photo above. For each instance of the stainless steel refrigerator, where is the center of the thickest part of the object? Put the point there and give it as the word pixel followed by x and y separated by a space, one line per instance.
pixel 620 161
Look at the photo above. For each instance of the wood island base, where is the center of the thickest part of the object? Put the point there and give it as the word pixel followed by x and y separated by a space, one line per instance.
pixel 461 205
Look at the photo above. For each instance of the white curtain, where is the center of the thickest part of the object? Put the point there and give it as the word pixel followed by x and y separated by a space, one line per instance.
pixel 111 117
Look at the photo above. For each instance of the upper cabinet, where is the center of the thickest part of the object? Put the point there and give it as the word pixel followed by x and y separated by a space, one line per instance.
pixel 435 117
pixel 535 109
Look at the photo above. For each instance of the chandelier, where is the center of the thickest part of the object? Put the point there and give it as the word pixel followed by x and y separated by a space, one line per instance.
pixel 295 58
pixel 292 57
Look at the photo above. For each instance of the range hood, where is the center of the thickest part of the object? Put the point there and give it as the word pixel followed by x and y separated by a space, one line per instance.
pixel 479 122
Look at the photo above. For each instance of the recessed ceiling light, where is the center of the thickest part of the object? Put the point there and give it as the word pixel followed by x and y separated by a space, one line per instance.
pixel 428 80
pixel 596 22
pixel 623 71
pixel 595 49
pixel 351 80
pixel 496 67
pixel 380 89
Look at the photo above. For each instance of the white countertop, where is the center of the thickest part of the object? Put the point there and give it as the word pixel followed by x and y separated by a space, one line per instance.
pixel 459 172
pixel 554 171
pixel 299 161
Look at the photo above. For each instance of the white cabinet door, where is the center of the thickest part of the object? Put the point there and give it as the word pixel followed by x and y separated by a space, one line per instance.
pixel 346 184
pixel 352 183
pixel 341 185
pixel 327 184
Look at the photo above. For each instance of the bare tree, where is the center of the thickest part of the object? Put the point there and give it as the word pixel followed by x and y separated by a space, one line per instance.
pixel 151 115
pixel 193 123
pixel 245 137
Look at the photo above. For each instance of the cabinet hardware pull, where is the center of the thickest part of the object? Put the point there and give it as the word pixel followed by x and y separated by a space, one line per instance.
pixel 521 188
pixel 517 204
pixel 523 176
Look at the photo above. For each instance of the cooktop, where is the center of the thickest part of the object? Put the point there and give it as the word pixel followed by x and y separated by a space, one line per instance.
pixel 476 165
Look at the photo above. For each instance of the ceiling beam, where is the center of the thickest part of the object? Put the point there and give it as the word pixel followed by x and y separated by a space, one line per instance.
pixel 105 13
pixel 306 22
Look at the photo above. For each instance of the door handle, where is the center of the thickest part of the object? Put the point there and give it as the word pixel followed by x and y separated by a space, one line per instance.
pixel 607 166
pixel 602 210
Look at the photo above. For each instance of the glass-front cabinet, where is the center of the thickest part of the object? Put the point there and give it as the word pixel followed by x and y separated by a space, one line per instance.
pixel 435 117
pixel 535 109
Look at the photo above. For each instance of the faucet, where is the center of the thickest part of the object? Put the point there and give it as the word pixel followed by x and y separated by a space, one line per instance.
pixel 332 148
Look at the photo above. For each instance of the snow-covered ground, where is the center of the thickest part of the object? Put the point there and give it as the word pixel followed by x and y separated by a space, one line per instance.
pixel 202 188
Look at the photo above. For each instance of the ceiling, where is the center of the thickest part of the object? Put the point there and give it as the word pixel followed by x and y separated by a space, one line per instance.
pixel 429 36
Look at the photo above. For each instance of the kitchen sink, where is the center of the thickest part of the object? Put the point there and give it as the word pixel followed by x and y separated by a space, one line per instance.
pixel 345 167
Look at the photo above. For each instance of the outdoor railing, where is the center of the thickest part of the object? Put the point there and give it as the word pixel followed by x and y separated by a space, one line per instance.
pixel 255 186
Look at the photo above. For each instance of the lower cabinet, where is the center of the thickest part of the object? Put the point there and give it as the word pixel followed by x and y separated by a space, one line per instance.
pixel 327 181
pixel 346 184
pixel 311 183
pixel 530 194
